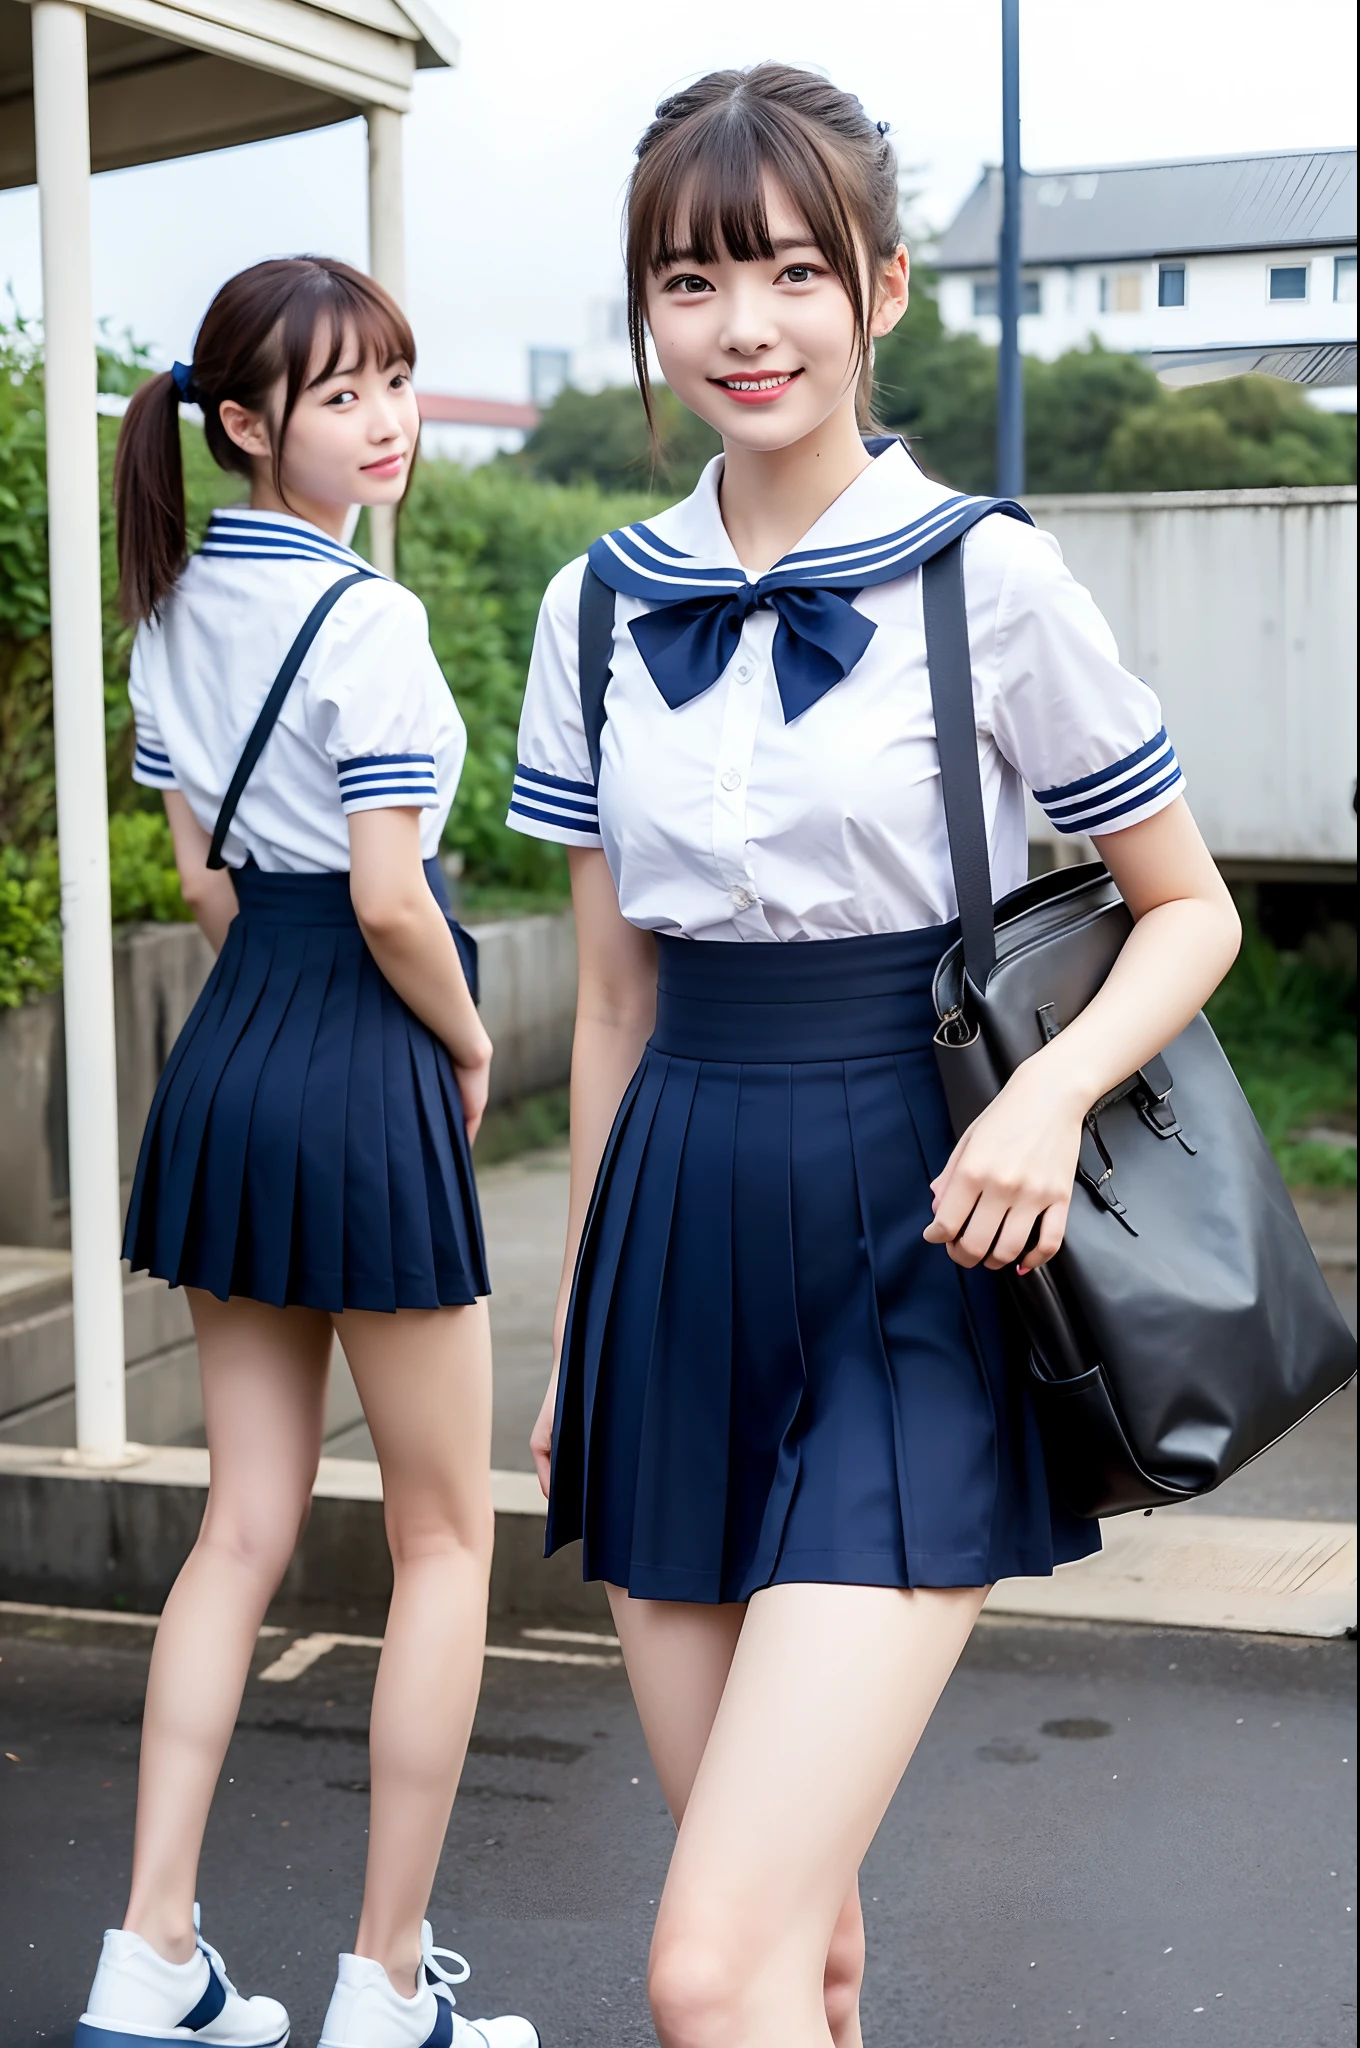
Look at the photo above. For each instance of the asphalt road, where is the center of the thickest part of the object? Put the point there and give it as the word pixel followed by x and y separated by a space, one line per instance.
pixel 1129 1836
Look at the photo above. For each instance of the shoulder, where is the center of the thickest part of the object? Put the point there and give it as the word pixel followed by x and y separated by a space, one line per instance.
pixel 1004 554
pixel 376 603
pixel 559 612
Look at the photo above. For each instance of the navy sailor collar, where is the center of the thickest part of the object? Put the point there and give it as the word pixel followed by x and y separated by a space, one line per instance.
pixel 682 563
pixel 237 532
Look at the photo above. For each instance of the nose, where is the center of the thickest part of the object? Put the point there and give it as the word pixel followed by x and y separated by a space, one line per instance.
pixel 751 326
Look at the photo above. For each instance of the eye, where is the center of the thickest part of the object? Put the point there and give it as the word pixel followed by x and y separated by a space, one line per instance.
pixel 689 286
pixel 799 273
pixel 342 400
pixel 399 380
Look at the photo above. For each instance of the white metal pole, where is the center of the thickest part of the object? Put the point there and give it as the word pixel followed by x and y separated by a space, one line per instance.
pixel 386 262
pixel 62 120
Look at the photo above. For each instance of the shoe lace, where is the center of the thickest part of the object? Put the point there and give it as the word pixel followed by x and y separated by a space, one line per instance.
pixel 440 1978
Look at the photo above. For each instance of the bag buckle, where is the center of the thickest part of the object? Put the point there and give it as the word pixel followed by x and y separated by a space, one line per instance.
pixel 1095 1171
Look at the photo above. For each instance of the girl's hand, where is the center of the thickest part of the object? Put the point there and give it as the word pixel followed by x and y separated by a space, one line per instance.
pixel 473 1075
pixel 1014 1167
pixel 540 1442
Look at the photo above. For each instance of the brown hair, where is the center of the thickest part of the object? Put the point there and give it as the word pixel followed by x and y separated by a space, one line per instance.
pixel 700 174
pixel 260 330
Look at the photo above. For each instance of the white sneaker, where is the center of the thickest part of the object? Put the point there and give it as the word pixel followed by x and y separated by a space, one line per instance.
pixel 367 2012
pixel 139 1997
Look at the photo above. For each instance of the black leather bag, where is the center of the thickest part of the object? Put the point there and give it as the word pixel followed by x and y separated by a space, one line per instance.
pixel 1184 1326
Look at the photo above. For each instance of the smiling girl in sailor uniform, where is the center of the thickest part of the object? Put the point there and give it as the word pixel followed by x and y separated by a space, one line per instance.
pixel 783 1422
pixel 306 1168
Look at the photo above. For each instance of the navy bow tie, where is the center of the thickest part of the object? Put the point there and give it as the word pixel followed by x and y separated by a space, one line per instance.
pixel 691 632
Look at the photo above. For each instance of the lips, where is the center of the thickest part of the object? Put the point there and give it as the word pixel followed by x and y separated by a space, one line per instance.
pixel 390 465
pixel 757 390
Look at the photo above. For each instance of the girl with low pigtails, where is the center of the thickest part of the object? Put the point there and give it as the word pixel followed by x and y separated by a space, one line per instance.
pixel 305 1170
pixel 783 1418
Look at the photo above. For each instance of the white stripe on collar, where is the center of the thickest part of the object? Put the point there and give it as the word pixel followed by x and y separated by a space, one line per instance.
pixel 244 535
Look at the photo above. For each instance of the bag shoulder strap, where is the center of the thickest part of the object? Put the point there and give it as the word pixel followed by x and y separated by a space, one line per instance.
pixel 596 650
pixel 273 705
pixel 951 694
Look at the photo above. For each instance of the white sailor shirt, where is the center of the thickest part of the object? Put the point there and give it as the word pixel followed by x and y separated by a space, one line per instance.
pixel 369 723
pixel 726 819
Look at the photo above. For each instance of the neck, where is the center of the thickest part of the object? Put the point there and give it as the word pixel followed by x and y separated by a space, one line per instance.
pixel 316 511
pixel 769 500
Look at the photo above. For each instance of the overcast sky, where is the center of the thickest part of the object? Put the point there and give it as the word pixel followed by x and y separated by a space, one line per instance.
pixel 516 160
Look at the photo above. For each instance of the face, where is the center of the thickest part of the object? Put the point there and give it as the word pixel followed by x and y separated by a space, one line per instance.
pixel 766 351
pixel 351 437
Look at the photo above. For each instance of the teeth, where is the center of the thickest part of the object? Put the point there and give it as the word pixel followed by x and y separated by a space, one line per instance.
pixel 755 383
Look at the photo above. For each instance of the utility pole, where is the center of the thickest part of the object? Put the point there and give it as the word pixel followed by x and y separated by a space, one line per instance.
pixel 1010 390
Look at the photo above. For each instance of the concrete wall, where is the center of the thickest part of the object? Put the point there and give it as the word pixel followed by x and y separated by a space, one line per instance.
pixel 1238 607
pixel 528 976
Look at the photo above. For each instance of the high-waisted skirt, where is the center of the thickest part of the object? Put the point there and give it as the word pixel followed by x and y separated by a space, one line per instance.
pixel 306 1143
pixel 767 1375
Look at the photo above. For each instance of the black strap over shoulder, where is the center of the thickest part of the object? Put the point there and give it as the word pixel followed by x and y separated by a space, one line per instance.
pixel 596 650
pixel 273 705
pixel 951 693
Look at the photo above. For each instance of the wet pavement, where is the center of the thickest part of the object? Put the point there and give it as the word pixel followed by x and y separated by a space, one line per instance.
pixel 1131 1836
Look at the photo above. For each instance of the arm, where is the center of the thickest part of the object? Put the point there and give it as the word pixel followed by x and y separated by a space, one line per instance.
pixel 615 1011
pixel 1018 1162
pixel 406 932
pixel 209 892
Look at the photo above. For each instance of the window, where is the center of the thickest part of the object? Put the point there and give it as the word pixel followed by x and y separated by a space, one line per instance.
pixel 1126 295
pixel 1343 281
pixel 987 297
pixel 1289 281
pixel 1171 284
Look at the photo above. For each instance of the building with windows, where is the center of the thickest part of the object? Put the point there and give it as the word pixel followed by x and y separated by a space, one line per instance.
pixel 1205 267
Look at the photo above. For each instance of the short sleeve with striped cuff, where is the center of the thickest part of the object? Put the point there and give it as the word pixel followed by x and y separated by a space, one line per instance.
pixel 1084 733
pixel 150 761
pixel 554 794
pixel 376 673
pixel 379 782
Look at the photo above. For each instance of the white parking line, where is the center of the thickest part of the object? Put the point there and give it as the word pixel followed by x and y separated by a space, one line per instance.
pixel 40 1612
pixel 305 1651
pixel 570 1635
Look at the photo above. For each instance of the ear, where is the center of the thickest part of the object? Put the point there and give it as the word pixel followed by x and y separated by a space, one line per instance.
pixel 246 429
pixel 894 281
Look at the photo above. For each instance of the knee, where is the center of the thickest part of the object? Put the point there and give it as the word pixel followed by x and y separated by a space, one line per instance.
pixel 447 1532
pixel 257 1539
pixel 844 1974
pixel 695 1989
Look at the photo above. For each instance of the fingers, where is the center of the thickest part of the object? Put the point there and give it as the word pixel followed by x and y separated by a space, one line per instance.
pixel 1051 1231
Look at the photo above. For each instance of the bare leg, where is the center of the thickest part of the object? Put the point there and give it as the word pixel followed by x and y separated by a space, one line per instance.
pixel 829 1692
pixel 264 1390
pixel 425 1382
pixel 678 1656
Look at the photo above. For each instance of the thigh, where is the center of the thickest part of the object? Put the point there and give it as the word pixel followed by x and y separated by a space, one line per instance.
pixel 263 1373
pixel 678 1654
pixel 424 1379
pixel 829 1691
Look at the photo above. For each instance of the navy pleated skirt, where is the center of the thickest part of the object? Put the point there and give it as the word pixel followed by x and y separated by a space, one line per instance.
pixel 768 1376
pixel 306 1143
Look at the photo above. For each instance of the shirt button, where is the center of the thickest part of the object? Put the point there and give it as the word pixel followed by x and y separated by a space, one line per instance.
pixel 742 899
pixel 744 675
pixel 731 780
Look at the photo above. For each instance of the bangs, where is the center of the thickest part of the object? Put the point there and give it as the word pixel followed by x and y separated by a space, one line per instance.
pixel 709 199
pixel 345 310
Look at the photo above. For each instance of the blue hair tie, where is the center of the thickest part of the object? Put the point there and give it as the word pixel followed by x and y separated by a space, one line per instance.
pixel 183 374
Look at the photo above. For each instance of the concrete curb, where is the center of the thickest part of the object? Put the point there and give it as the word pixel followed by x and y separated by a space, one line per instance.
pixel 83 1538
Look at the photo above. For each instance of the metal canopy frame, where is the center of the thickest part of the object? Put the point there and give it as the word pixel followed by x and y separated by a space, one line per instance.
pixel 121 83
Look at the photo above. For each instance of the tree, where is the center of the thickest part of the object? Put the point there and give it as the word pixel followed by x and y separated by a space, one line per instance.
pixel 601 437
pixel 1243 432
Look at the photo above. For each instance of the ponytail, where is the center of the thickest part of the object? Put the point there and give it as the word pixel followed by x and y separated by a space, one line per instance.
pixel 148 496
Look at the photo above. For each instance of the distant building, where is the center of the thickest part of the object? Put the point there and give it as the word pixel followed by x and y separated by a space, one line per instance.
pixel 602 360
pixel 472 430
pixel 1204 267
